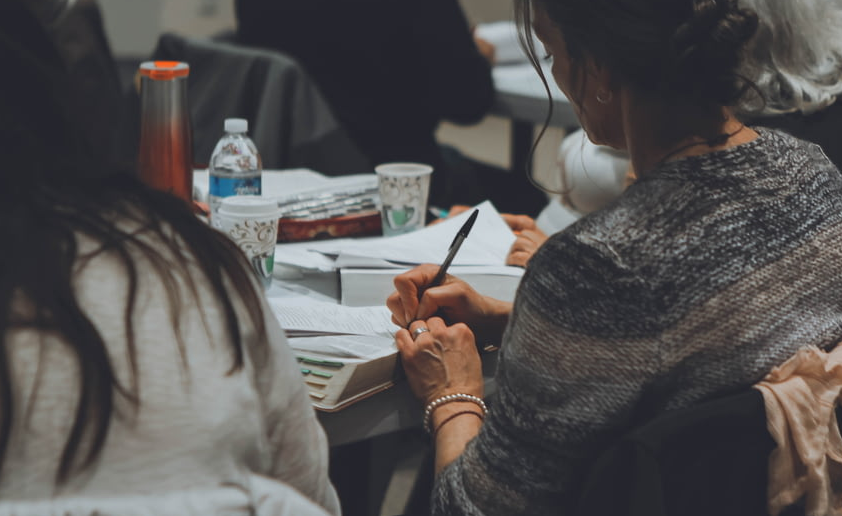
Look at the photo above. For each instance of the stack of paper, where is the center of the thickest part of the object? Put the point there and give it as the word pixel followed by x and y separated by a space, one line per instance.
pixel 346 354
pixel 367 266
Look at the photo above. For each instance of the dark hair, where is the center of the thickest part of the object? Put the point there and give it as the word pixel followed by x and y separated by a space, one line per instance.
pixel 55 187
pixel 684 50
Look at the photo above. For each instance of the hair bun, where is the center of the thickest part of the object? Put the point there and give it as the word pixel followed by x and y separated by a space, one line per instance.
pixel 706 49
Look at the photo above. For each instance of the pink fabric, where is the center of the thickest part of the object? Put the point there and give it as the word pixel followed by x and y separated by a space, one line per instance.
pixel 800 397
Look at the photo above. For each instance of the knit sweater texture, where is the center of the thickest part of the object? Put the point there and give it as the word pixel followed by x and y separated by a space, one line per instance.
pixel 705 274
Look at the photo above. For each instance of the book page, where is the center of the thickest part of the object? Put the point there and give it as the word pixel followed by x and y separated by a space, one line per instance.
pixel 328 318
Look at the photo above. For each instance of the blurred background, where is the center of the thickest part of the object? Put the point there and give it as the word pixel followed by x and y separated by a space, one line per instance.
pixel 133 27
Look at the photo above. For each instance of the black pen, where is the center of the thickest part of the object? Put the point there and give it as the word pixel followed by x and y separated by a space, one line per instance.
pixel 454 247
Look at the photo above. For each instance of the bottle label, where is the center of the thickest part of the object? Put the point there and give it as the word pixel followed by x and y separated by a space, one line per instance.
pixel 228 186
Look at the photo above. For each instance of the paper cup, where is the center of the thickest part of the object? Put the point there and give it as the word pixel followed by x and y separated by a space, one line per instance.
pixel 252 222
pixel 404 190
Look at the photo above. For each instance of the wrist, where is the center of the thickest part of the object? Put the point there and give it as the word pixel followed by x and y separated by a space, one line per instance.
pixel 446 411
pixel 434 411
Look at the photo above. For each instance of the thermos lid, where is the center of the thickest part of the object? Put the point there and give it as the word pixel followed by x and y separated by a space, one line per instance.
pixel 236 125
pixel 164 70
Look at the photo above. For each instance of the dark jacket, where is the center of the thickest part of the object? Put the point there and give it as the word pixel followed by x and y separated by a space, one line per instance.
pixel 391 70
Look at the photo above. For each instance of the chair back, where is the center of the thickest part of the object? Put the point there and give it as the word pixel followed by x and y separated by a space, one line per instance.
pixel 289 120
pixel 710 459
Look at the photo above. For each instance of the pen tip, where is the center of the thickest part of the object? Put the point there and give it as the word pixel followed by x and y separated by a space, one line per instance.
pixel 469 223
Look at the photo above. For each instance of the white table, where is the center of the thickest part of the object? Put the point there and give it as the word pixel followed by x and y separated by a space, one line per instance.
pixel 521 97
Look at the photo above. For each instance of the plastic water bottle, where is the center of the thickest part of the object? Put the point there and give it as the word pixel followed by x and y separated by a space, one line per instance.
pixel 235 166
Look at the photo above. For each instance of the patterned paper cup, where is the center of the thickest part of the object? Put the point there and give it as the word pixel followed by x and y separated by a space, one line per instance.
pixel 252 222
pixel 404 189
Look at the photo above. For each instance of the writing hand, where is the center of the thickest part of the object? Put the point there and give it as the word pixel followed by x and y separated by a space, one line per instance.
pixel 454 300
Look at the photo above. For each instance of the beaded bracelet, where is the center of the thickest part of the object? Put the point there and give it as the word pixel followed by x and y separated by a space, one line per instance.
pixel 436 403
pixel 454 416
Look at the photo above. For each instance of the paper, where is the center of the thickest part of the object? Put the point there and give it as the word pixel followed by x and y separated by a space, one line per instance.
pixel 522 79
pixel 349 347
pixel 503 35
pixel 369 287
pixel 487 244
pixel 287 184
pixel 332 319
pixel 299 254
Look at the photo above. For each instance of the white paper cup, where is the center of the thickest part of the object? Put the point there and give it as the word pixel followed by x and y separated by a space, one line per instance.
pixel 404 190
pixel 252 222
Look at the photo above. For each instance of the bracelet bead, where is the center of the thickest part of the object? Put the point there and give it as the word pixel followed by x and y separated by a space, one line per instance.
pixel 449 398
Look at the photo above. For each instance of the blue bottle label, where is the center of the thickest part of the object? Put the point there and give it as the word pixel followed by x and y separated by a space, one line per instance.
pixel 228 186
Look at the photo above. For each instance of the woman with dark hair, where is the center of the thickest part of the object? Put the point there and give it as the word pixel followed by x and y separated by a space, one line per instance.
pixel 137 354
pixel 715 266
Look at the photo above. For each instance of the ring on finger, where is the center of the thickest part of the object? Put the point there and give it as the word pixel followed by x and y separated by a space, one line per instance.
pixel 419 331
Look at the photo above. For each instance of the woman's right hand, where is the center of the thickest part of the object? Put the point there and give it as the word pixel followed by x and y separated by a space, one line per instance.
pixel 454 301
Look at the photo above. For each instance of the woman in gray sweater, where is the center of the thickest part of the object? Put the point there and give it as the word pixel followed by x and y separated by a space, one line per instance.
pixel 714 267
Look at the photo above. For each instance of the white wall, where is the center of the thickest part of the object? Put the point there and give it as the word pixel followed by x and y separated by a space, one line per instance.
pixel 133 26
pixel 484 11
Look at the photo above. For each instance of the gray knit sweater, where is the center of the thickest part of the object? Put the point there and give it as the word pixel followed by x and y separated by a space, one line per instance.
pixel 704 275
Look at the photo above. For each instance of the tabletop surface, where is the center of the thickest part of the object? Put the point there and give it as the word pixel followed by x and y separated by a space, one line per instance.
pixel 522 96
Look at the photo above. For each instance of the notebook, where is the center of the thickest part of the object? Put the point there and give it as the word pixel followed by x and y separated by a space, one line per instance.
pixel 346 353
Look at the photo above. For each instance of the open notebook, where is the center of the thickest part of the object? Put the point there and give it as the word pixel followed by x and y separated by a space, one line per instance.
pixel 346 353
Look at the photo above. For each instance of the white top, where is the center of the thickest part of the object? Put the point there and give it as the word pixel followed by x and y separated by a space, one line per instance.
pixel 198 427
pixel 589 175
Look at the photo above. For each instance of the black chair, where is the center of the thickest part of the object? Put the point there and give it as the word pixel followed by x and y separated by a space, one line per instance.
pixel 711 459
pixel 289 120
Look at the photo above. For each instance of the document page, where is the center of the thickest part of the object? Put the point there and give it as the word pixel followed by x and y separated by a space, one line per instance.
pixel 328 318
pixel 353 347
pixel 487 244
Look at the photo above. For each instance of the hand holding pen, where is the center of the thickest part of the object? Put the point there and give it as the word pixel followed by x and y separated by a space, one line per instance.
pixel 460 237
pixel 427 290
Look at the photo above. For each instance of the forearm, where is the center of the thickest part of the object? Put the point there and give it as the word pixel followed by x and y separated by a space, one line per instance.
pixel 453 428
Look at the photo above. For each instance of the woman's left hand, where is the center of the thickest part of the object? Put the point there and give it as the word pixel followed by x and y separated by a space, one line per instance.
pixel 441 361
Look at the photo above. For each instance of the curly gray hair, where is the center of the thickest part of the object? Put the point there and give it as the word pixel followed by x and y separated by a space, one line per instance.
pixel 795 58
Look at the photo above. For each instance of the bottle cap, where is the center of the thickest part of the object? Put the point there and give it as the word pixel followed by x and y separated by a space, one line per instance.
pixel 236 125
pixel 164 70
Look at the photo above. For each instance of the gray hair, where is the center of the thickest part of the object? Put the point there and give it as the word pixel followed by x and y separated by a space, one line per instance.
pixel 795 58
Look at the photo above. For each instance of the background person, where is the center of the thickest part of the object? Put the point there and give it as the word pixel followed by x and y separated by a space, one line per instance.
pixel 795 60
pixel 712 268
pixel 392 72
pixel 137 355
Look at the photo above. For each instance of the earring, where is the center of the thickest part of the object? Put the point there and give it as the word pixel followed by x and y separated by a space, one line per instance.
pixel 604 98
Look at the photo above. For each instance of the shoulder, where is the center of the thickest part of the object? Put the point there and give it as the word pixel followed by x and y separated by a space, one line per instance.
pixel 588 278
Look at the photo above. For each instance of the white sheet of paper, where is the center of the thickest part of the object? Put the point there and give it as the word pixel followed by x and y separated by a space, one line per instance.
pixel 487 244
pixel 360 347
pixel 328 318
pixel 299 254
